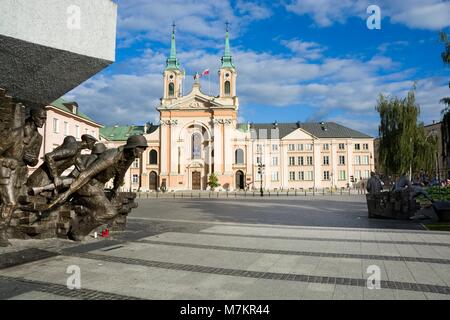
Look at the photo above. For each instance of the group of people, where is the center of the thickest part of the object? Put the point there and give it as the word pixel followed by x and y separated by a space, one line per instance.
pixel 20 147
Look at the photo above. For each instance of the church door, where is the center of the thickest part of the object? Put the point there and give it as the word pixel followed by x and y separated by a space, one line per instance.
pixel 196 180
pixel 240 180
pixel 153 180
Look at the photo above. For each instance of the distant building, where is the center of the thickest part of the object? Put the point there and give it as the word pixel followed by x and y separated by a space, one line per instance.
pixel 199 135
pixel 64 119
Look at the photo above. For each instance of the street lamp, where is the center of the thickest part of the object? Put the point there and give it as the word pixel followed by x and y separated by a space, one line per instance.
pixel 261 172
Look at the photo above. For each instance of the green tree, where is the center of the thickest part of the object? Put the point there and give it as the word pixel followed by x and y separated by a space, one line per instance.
pixel 213 181
pixel 445 127
pixel 405 146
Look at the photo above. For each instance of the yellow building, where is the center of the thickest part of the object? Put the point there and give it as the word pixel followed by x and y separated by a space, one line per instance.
pixel 199 135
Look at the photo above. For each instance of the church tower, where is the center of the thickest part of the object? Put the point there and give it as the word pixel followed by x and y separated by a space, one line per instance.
pixel 173 75
pixel 227 72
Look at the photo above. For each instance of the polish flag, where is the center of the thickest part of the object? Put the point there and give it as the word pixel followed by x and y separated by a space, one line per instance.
pixel 205 73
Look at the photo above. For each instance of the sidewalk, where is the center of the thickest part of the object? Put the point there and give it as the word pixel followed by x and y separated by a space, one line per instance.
pixel 242 261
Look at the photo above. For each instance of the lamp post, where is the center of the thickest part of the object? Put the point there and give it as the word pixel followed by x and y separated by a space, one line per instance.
pixel 261 172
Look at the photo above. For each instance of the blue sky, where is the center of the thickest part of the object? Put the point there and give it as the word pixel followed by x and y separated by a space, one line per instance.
pixel 297 60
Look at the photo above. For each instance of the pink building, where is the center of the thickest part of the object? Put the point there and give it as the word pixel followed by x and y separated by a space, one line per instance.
pixel 64 119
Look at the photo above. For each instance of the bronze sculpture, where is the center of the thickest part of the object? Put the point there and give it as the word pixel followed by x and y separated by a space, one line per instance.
pixel 19 147
pixel 60 159
pixel 88 187
pixel 48 204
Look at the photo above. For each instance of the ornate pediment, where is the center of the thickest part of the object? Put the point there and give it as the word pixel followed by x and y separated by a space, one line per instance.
pixel 194 105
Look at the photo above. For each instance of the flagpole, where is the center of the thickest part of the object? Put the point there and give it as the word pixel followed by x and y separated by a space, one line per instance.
pixel 209 84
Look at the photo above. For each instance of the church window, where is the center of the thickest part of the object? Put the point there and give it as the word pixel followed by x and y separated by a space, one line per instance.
pixel 153 157
pixel 239 156
pixel 171 89
pixel 196 146
pixel 227 88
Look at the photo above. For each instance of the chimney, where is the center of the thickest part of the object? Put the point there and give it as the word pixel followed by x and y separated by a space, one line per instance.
pixel 298 124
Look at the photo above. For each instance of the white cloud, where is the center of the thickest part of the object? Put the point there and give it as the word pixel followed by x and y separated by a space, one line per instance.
pixel 195 20
pixel 304 49
pixel 422 14
pixel 332 84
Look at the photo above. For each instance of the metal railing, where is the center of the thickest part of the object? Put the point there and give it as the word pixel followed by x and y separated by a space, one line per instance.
pixel 250 194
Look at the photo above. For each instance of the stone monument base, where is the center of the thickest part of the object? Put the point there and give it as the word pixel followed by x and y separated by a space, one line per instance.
pixel 31 222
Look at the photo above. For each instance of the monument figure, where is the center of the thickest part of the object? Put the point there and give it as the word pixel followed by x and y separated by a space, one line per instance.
pixel 88 187
pixel 19 147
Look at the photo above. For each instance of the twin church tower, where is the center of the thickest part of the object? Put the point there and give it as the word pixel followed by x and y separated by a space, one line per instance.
pixel 174 75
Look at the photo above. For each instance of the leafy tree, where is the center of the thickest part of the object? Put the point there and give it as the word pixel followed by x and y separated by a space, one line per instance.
pixel 445 127
pixel 213 181
pixel 405 146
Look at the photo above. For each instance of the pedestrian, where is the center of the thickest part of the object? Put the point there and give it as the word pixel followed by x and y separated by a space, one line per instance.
pixel 374 184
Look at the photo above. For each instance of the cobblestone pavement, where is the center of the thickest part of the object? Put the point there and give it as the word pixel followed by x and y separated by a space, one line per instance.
pixel 193 250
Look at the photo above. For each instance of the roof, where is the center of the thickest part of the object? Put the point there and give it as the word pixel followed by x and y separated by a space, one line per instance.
pixel 121 133
pixel 61 105
pixel 317 129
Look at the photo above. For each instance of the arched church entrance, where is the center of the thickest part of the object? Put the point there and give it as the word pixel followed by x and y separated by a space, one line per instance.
pixel 153 181
pixel 196 180
pixel 240 181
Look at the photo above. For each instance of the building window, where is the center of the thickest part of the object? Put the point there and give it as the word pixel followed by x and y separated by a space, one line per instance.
pixel 326 146
pixel 358 174
pixel 86 131
pixel 93 133
pixel 341 146
pixel 342 175
pixel 274 147
pixel 275 176
pixel 196 146
pixel 135 179
pixel 291 147
pixel 136 163
pixel 326 160
pixel 308 147
pixel 227 88
pixel 301 175
pixel 365 160
pixel 258 160
pixel 275 161
pixel 171 89
pixel 292 175
pixel 55 125
pixel 66 128
pixel 300 147
pixel 239 156
pixel 309 161
pixel 366 174
pixel 259 148
pixel 326 175
pixel 341 160
pixel 366 146
pixel 153 159
pixel 308 175
pixel 77 132
pixel 357 146
pixel 300 161
pixel 292 161
pixel 357 160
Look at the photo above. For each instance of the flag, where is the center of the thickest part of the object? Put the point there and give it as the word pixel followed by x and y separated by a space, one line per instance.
pixel 205 73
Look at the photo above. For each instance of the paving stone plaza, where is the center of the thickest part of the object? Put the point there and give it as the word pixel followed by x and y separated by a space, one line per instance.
pixel 187 249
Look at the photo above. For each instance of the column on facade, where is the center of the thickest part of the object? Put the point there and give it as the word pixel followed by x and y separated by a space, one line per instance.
pixel 228 149
pixel 218 140
pixel 173 136
pixel 284 174
pixel 317 147
pixel 350 161
pixel 164 148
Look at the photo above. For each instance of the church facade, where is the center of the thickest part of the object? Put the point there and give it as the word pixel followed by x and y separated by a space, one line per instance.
pixel 199 135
